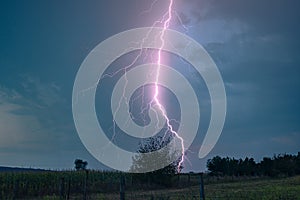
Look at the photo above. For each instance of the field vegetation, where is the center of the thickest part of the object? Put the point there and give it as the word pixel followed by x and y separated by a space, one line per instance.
pixel 105 185
pixel 228 178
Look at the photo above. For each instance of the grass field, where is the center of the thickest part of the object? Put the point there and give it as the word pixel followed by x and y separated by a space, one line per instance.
pixel 105 185
pixel 284 188
pixel 281 189
pixel 267 189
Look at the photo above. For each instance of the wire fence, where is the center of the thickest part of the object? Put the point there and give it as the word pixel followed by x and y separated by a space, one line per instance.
pixel 106 185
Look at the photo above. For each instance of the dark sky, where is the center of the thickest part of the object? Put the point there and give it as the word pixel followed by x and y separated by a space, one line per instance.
pixel 255 45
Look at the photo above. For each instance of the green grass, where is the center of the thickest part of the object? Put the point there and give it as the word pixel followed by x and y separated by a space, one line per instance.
pixel 105 185
pixel 268 189
pixel 284 188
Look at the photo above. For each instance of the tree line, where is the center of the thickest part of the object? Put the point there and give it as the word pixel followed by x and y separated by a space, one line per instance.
pixel 279 165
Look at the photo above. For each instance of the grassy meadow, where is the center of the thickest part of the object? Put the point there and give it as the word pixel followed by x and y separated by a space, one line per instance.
pixel 105 185
pixel 268 189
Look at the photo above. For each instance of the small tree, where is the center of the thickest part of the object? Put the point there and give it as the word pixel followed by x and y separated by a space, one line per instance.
pixel 142 161
pixel 80 164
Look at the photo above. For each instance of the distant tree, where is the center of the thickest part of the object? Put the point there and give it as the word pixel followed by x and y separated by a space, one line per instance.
pixel 279 165
pixel 233 167
pixel 285 164
pixel 80 164
pixel 216 166
pixel 252 166
pixel 297 161
pixel 266 166
pixel 247 167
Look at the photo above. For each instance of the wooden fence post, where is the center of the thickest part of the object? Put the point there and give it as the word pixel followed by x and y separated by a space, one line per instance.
pixel 178 180
pixel 85 185
pixel 16 189
pixel 202 196
pixel 69 188
pixel 62 188
pixel 122 187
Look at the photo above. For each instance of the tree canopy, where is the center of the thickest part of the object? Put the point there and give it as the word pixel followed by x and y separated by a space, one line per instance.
pixel 141 161
pixel 80 164
pixel 282 164
pixel 152 144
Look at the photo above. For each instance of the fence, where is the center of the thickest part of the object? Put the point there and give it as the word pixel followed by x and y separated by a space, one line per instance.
pixel 106 185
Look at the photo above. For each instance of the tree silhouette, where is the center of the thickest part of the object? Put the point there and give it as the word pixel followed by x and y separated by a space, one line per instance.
pixel 279 165
pixel 141 161
pixel 80 164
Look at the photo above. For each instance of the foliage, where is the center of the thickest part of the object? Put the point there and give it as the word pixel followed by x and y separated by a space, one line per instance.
pixel 80 164
pixel 162 176
pixel 279 165
pixel 55 183
pixel 105 185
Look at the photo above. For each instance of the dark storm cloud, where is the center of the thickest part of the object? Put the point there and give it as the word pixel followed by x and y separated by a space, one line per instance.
pixel 42 47
pixel 276 13
pixel 261 18
pixel 256 47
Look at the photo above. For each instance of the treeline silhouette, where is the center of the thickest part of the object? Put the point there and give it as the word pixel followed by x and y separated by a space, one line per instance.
pixel 279 165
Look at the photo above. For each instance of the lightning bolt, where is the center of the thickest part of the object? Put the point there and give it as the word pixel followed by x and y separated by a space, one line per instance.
pixel 166 24
pixel 165 21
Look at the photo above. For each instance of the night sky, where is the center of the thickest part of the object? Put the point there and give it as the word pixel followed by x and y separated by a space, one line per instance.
pixel 255 45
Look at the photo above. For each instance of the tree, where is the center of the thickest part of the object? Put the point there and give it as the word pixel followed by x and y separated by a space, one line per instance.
pixel 214 165
pixel 80 164
pixel 279 165
pixel 142 162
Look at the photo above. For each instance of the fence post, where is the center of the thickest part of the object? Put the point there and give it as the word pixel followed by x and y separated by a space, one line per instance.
pixel 178 180
pixel 16 189
pixel 202 196
pixel 69 188
pixel 62 188
pixel 85 185
pixel 122 187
